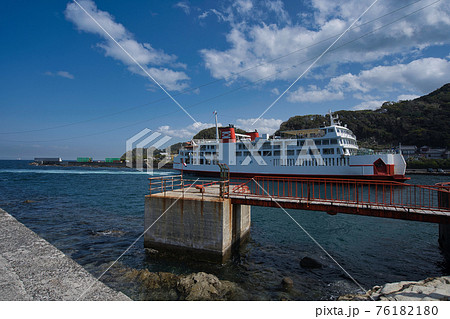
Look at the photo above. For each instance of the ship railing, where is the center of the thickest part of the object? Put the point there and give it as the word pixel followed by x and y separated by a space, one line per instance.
pixel 350 191
pixel 361 152
pixel 205 141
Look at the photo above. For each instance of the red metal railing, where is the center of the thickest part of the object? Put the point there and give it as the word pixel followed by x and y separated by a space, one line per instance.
pixel 386 193
pixel 164 184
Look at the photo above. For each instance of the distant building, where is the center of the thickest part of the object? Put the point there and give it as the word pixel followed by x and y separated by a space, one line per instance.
pixel 112 160
pixel 407 150
pixel 433 153
pixel 84 159
pixel 47 160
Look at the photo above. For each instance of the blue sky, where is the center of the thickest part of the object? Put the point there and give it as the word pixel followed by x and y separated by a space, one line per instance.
pixel 68 90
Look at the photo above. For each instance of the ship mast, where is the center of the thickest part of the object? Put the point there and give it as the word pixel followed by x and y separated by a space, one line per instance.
pixel 217 127
pixel 333 119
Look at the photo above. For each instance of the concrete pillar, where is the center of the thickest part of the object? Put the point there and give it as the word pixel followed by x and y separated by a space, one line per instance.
pixel 241 223
pixel 444 229
pixel 444 238
pixel 195 227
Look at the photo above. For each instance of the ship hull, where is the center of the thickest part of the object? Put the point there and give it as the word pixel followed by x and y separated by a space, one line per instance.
pixel 397 178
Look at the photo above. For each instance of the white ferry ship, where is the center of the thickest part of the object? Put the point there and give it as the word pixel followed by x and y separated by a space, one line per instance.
pixel 329 151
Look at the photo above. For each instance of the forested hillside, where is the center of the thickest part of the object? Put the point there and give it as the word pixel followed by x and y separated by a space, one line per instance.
pixel 423 121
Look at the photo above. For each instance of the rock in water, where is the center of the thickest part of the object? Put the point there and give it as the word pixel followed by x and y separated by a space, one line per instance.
pixel 203 286
pixel 309 263
pixel 430 289
pixel 151 251
pixel 287 283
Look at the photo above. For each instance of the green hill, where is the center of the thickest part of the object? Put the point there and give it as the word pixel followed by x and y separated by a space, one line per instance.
pixel 423 121
pixel 210 133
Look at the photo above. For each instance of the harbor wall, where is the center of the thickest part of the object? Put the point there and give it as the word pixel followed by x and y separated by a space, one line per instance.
pixel 33 269
pixel 195 227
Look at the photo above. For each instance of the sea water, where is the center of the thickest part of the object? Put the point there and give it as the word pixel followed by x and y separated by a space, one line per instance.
pixel 94 214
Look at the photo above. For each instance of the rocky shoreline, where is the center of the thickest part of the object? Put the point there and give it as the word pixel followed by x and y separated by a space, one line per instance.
pixel 166 286
pixel 430 289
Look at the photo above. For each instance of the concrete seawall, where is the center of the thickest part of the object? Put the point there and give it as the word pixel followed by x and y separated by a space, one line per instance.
pixel 33 269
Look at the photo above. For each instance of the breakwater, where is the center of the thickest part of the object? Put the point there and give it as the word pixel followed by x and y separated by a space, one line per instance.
pixel 33 269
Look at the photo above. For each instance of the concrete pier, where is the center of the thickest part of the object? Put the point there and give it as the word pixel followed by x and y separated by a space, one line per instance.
pixel 33 269
pixel 202 226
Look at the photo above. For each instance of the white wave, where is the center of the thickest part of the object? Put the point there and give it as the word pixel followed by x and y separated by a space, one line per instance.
pixel 81 172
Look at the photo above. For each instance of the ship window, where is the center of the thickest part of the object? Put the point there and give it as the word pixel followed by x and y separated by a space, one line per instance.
pixel 300 143
pixel 325 142
pixel 290 152
pixel 318 142
pixel 266 145
pixel 330 130
pixel 276 153
pixel 201 161
pixel 246 153
pixel 238 153
pixel 267 153
pixel 334 141
pixel 276 147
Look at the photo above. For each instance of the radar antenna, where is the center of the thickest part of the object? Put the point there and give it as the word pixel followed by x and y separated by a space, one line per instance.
pixel 334 119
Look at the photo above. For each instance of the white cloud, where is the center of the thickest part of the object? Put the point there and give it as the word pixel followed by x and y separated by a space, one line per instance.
pixel 368 105
pixel 264 126
pixel 423 75
pixel 243 6
pixel 277 7
pixel 268 126
pixel 63 74
pixel 314 94
pixel 183 6
pixel 407 97
pixel 252 41
pixel 186 132
pixel 203 15
pixel 143 53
